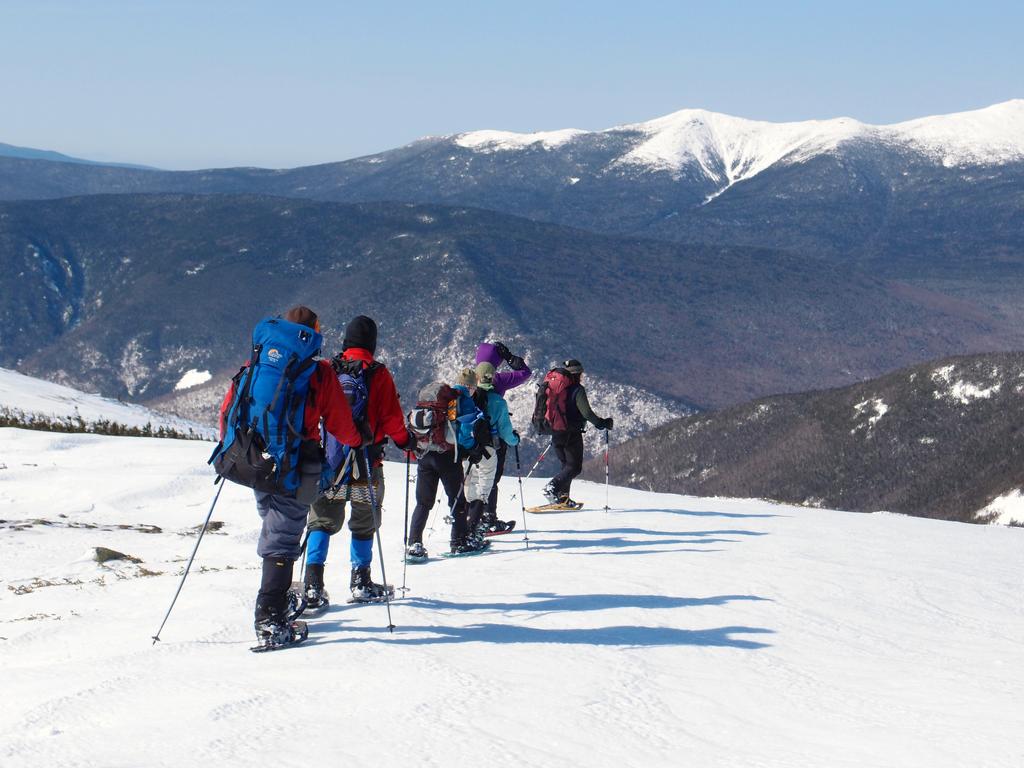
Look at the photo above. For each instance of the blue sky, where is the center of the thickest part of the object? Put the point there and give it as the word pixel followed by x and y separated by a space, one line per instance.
pixel 220 83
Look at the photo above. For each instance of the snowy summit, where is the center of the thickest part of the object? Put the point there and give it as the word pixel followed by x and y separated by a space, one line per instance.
pixel 729 149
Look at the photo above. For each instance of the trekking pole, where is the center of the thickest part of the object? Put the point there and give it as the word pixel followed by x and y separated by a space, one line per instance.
pixel 405 534
pixel 459 495
pixel 532 469
pixel 522 499
pixel 606 480
pixel 156 637
pixel 376 528
pixel 302 553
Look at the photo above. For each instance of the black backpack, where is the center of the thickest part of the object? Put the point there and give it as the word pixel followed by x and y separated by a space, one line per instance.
pixel 482 431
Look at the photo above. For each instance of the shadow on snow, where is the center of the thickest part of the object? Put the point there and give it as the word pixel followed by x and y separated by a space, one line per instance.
pixel 610 544
pixel 550 602
pixel 646 532
pixel 625 636
pixel 701 513
pixel 546 602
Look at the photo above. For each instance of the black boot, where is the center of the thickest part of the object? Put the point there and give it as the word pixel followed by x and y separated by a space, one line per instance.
pixel 475 535
pixel 317 599
pixel 551 493
pixel 365 590
pixel 273 627
pixel 272 599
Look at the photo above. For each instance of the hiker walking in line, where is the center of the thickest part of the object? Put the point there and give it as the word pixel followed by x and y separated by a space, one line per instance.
pixel 494 431
pixel 473 434
pixel 435 423
pixel 563 411
pixel 270 441
pixel 371 393
pixel 495 353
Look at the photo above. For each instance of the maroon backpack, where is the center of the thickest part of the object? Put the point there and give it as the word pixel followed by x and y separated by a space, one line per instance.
pixel 551 407
pixel 431 420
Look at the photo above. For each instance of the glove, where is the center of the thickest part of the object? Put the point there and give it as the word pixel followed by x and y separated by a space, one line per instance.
pixel 477 455
pixel 518 438
pixel 515 362
pixel 502 350
pixel 409 446
pixel 608 423
pixel 366 433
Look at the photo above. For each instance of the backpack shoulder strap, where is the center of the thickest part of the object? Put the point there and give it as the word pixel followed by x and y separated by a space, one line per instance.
pixel 480 400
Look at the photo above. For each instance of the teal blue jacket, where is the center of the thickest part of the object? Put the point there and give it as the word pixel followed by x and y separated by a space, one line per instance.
pixel 501 422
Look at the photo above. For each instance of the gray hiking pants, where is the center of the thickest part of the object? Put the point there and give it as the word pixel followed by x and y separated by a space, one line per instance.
pixel 283 521
pixel 328 514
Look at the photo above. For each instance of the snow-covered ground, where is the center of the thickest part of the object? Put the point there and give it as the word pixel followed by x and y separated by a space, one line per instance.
pixel 32 396
pixel 670 631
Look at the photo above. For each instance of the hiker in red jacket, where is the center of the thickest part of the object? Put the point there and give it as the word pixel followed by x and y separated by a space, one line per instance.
pixel 376 408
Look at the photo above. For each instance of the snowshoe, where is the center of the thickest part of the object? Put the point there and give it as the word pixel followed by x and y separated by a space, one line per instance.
pixel 500 527
pixel 377 593
pixel 468 546
pixel 365 590
pixel 416 553
pixel 317 600
pixel 273 635
pixel 559 506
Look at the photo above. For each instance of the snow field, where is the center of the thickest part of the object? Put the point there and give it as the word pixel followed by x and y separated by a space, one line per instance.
pixel 45 398
pixel 672 630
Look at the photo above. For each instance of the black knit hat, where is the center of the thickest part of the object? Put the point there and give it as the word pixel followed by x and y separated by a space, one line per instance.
pixel 361 332
pixel 574 366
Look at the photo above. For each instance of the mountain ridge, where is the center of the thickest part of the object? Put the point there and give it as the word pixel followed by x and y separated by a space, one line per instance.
pixel 124 294
pixel 940 440
pixel 998 127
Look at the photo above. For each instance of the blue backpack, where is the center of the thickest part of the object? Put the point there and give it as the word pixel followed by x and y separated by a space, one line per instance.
pixel 354 379
pixel 466 421
pixel 262 446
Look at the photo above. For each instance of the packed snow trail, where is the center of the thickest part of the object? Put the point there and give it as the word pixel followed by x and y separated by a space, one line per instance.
pixel 670 631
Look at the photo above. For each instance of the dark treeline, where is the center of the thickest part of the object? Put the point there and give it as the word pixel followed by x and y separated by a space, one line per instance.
pixel 13 417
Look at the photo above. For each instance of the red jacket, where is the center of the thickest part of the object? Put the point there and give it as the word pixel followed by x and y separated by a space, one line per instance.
pixel 383 408
pixel 325 400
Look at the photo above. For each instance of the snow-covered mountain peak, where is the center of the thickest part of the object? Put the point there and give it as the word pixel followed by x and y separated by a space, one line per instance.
pixel 729 149
pixel 988 136
pixel 497 141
